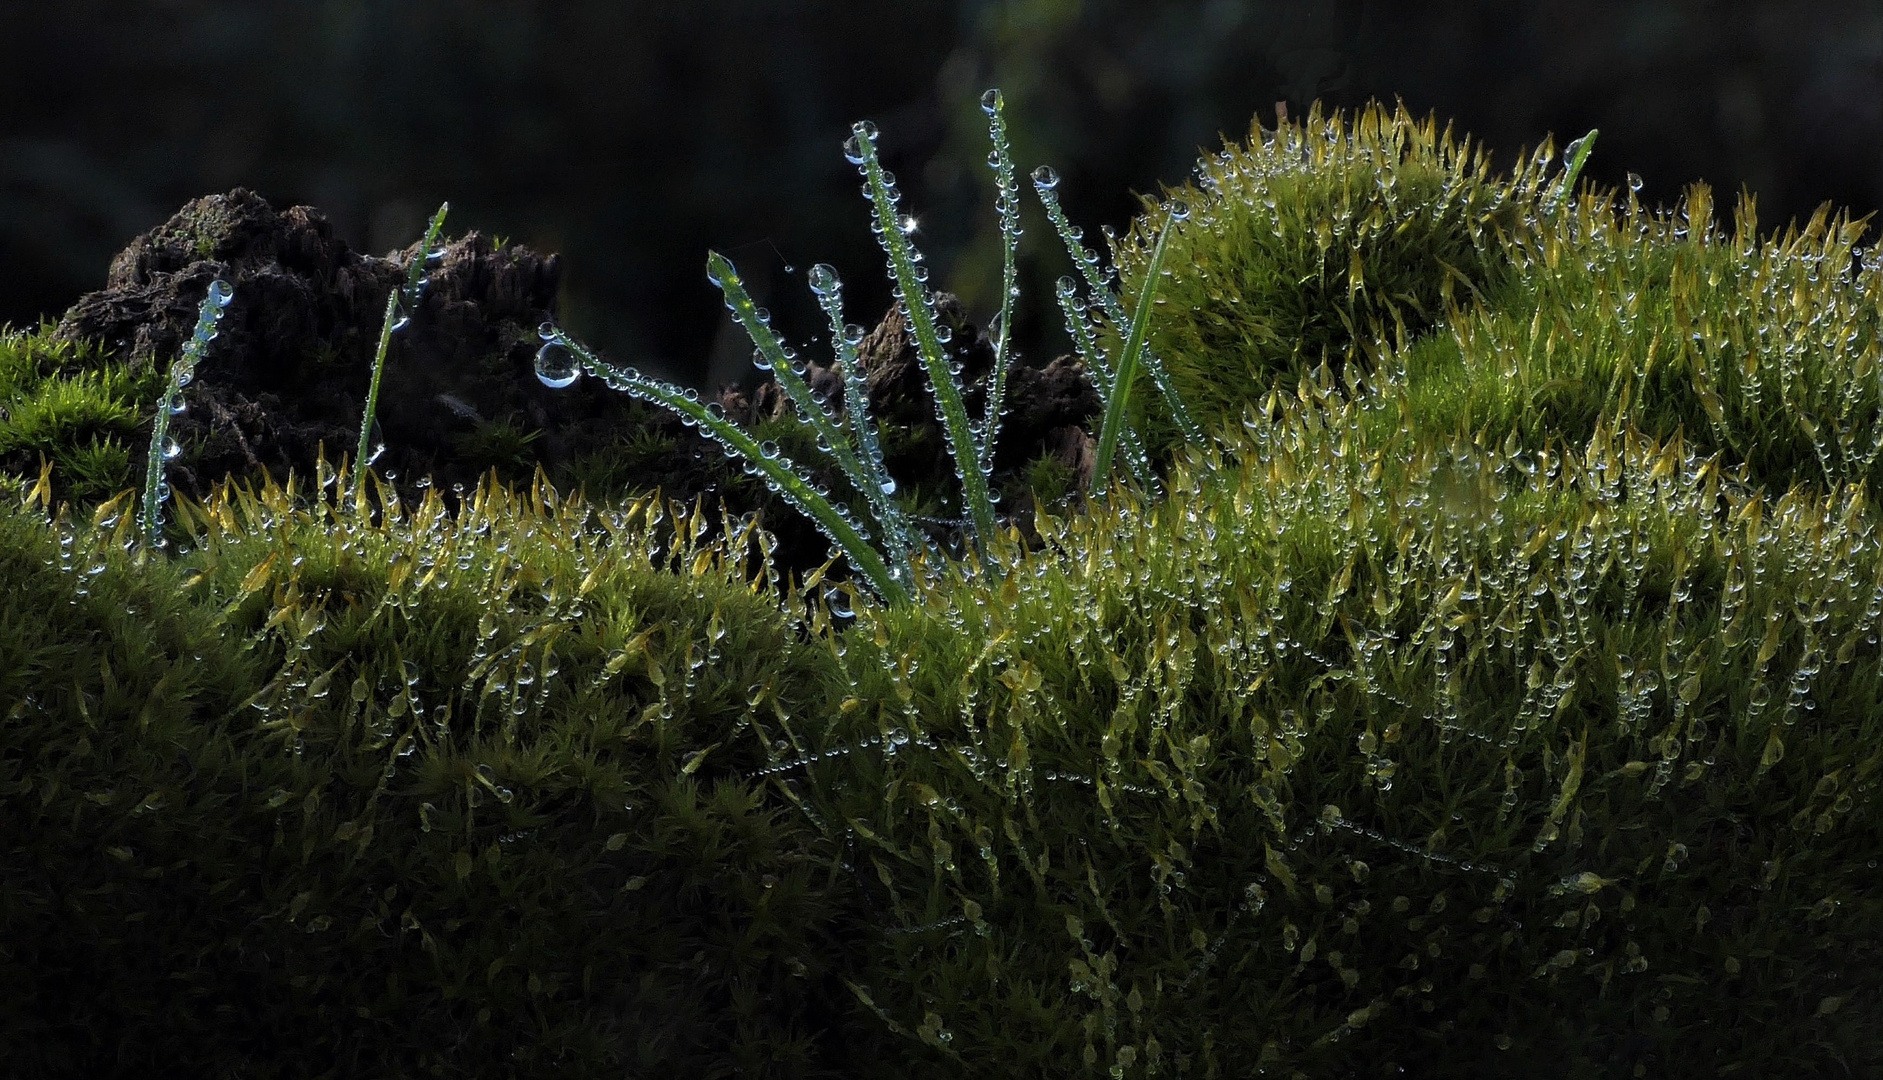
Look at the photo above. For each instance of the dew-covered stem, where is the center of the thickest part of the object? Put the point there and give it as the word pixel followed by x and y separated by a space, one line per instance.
pixel 1046 182
pixel 761 459
pixel 400 303
pixel 784 366
pixel 360 458
pixel 919 312
pixel 182 372
pixel 1086 344
pixel 879 487
pixel 1007 205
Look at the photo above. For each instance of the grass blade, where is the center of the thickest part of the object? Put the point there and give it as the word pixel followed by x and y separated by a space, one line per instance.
pixel 1134 345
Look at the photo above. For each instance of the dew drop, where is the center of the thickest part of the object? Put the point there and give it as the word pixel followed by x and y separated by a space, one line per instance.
pixel 221 292
pixel 1179 210
pixel 852 151
pixel 547 331
pixel 1046 178
pixel 555 365
pixel 171 450
pixel 852 334
pixel 1635 182
pixel 824 280
pixel 906 223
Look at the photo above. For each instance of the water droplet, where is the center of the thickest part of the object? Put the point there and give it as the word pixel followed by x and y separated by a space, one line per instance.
pixel 171 449
pixel 991 102
pixel 768 448
pixel 185 377
pixel 1179 210
pixel 852 334
pixel 889 486
pixel 906 223
pixel 221 292
pixel 824 280
pixel 547 331
pixel 178 407
pixel 866 129
pixel 760 361
pixel 852 152
pixel 1046 178
pixel 1635 182
pixel 399 318
pixel 555 365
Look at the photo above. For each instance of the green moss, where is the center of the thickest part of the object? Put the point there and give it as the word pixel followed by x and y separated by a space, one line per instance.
pixel 1511 710
pixel 1313 244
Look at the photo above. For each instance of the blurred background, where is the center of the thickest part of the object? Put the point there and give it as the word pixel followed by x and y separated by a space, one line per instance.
pixel 631 136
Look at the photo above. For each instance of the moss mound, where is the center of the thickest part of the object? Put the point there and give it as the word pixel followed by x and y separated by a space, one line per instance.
pixel 1318 243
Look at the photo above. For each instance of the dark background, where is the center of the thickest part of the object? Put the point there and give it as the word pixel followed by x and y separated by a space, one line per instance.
pixel 632 135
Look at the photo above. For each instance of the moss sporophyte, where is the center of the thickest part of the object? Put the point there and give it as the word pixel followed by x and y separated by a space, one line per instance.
pixel 562 359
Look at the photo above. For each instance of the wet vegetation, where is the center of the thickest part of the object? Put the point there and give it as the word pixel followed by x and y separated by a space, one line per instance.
pixel 1493 689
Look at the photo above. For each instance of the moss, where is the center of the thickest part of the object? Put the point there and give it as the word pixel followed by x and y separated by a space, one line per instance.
pixel 1312 245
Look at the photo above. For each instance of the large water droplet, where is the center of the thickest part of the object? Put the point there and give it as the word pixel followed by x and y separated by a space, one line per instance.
pixel 555 365
pixel 1046 178
pixel 852 334
pixel 1635 182
pixel 852 151
pixel 991 102
pixel 221 292
pixel 760 361
pixel 1179 210
pixel 824 279
pixel 171 449
pixel 866 129
pixel 547 331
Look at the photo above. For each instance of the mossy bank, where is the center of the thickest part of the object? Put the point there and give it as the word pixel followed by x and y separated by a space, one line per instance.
pixel 1499 699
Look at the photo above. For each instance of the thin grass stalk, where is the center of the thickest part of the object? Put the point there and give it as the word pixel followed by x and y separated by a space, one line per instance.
pixel 919 311
pixel 1134 346
pixel 1045 181
pixel 182 372
pixel 763 460
pixel 882 487
pixel 1007 205
pixel 415 280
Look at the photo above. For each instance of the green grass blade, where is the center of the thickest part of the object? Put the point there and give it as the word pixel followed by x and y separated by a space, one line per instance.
pixel 372 396
pixel 182 371
pixel 919 309
pixel 1080 328
pixel 406 297
pixel 879 488
pixel 1134 345
pixel 832 521
pixel 1007 205
pixel 721 272
pixel 1045 182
